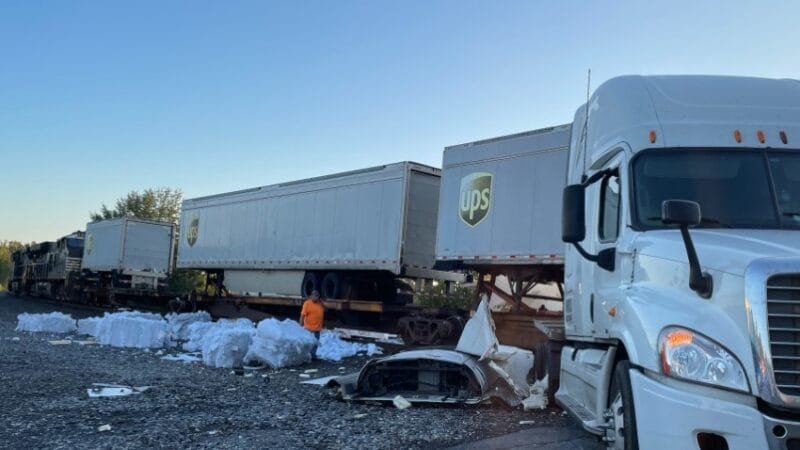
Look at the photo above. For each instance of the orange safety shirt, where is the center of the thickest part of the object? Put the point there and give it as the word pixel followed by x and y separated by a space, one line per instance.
pixel 313 315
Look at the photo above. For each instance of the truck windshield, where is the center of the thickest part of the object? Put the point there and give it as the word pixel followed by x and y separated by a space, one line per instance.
pixel 735 188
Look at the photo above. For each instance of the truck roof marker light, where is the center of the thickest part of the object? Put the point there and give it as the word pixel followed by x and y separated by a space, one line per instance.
pixel 761 138
pixel 738 136
pixel 784 139
pixel 652 136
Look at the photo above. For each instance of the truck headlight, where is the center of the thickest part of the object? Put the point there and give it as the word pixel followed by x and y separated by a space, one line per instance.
pixel 694 357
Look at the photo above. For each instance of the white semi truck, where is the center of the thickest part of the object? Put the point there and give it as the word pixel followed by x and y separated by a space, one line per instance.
pixel 681 277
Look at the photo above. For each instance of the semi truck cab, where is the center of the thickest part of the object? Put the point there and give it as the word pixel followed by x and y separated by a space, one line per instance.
pixel 682 273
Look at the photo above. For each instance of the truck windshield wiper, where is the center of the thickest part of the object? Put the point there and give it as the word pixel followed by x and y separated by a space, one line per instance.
pixel 707 221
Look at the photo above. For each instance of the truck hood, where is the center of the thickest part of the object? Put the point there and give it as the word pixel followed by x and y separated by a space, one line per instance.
pixel 728 251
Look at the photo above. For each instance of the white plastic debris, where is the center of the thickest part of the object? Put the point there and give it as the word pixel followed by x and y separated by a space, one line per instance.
pixel 114 390
pixel 195 332
pixel 54 322
pixel 88 326
pixel 333 348
pixel 61 342
pixel 226 344
pixel 105 427
pixel 305 375
pixel 179 323
pixel 132 329
pixel 185 357
pixel 281 344
pixel 401 403
pixel 538 395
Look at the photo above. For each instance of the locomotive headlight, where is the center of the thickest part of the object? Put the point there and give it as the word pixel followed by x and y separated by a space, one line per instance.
pixel 693 357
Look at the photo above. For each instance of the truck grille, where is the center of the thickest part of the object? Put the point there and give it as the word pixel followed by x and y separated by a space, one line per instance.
pixel 783 317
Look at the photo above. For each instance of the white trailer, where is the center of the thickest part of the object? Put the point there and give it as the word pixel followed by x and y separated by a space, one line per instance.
pixel 348 235
pixel 133 252
pixel 500 209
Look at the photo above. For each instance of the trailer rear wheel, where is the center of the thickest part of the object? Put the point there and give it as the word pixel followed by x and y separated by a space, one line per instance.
pixel 310 283
pixel 331 285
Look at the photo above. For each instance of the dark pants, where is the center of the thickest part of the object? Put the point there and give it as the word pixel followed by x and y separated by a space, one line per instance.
pixel 316 344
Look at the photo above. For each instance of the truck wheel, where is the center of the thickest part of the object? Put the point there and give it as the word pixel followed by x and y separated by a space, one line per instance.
pixel 310 283
pixel 331 285
pixel 623 417
pixel 541 360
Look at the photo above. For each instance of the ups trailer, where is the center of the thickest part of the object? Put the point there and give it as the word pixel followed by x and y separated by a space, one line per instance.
pixel 356 237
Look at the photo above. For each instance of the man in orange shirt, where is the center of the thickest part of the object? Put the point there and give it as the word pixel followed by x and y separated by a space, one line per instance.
pixel 312 316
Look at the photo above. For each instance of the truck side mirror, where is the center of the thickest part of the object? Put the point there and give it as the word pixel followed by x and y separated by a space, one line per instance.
pixel 680 212
pixel 573 214
pixel 686 213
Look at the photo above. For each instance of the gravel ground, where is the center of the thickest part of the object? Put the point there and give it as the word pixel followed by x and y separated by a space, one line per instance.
pixel 45 404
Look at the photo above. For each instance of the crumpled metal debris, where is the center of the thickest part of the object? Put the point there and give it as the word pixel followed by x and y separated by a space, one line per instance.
pixel 478 370
pixel 114 390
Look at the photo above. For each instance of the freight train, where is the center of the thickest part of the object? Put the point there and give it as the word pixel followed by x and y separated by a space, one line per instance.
pixel 111 261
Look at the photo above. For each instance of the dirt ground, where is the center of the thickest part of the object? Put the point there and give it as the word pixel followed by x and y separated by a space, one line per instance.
pixel 44 404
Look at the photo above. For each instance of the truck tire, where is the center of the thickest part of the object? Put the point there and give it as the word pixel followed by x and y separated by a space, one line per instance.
pixel 623 415
pixel 310 283
pixel 331 285
pixel 541 360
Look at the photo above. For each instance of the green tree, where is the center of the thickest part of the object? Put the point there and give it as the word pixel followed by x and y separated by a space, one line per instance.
pixel 6 249
pixel 153 204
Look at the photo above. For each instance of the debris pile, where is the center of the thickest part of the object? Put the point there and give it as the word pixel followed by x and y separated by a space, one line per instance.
pixel 88 326
pixel 54 322
pixel 132 329
pixel 281 343
pixel 179 323
pixel 226 343
pixel 333 348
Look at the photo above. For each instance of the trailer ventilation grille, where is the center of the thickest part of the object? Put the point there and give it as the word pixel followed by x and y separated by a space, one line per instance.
pixel 783 316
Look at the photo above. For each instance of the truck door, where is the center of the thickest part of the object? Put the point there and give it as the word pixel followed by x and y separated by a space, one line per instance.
pixel 609 198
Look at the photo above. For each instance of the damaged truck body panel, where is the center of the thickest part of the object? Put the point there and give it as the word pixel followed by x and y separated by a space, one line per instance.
pixel 421 376
pixel 479 370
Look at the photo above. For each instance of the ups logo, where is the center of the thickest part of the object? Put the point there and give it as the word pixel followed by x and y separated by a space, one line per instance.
pixel 193 231
pixel 475 197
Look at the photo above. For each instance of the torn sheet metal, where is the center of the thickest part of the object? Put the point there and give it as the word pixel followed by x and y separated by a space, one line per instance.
pixel 114 390
pixel 479 338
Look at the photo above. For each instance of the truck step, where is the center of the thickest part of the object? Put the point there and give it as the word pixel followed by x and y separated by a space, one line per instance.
pixel 587 419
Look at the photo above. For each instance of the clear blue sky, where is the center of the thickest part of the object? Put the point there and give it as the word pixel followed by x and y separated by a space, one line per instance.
pixel 99 98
